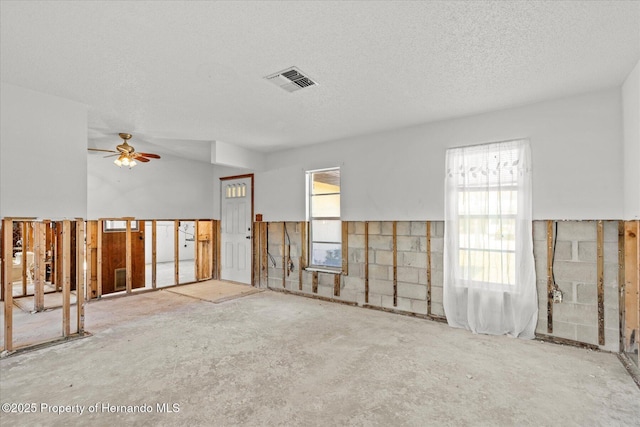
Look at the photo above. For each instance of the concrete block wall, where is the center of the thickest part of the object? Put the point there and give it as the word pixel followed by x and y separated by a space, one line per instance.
pixel 576 274
pixel 575 271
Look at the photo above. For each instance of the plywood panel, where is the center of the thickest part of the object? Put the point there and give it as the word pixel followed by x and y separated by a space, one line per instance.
pixel 113 254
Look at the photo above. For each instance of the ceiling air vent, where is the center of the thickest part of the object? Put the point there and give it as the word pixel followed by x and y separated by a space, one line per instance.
pixel 291 79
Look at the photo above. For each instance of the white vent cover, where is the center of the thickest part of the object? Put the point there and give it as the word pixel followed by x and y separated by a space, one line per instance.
pixel 291 79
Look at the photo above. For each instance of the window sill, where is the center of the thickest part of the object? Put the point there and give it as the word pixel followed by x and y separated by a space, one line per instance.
pixel 323 270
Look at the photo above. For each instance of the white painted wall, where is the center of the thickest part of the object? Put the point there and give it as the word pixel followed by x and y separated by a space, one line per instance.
pixel 168 188
pixel 631 120
pixel 577 153
pixel 43 163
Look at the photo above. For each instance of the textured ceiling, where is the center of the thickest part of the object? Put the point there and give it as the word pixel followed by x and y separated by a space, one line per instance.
pixel 194 70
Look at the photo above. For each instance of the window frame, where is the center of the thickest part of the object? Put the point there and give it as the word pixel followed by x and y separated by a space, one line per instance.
pixel 463 248
pixel 310 218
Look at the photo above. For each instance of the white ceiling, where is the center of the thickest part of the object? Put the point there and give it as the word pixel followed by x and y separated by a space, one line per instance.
pixel 194 70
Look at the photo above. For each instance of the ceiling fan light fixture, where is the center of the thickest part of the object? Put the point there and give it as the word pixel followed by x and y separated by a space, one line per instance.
pixel 132 163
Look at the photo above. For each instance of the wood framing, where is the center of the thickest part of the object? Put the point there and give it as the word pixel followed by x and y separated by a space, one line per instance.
pixel 336 285
pixel 176 252
pixel 314 283
pixel 7 246
pixel 303 252
pixel 550 276
pixel 285 268
pixel 600 275
pixel 366 262
pixel 345 248
pixel 395 263
pixel 154 254
pixel 632 287
pixel 66 278
pixel 99 261
pixel 264 263
pixel 80 282
pixel 428 267
pixel 621 282
pixel 128 263
pixel 196 251
pixel 218 243
pixel 91 231
pixel 25 248
pixel 40 268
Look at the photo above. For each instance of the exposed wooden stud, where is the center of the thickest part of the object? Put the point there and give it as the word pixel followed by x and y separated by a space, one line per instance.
pixel 66 278
pixel 25 249
pixel 621 281
pixel 99 261
pixel 57 255
pixel 336 285
pixel 90 272
pixel 7 246
pixel 264 263
pixel 600 273
pixel 428 267
pixel 345 248
pixel 366 262
pixel 316 297
pixel 196 252
pixel 154 254
pixel 284 257
pixel 40 270
pixel 217 260
pixel 303 251
pixel 128 257
pixel 632 287
pixel 80 280
pixel 550 277
pixel 211 248
pixel 255 255
pixel 176 252
pixel 395 263
pixel 637 288
pixel 314 283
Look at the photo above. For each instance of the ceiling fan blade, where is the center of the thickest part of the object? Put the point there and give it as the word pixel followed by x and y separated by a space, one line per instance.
pixel 111 155
pixel 149 155
pixel 99 149
pixel 140 158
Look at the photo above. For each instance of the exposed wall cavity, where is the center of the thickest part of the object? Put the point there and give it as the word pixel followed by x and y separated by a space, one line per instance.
pixel 403 271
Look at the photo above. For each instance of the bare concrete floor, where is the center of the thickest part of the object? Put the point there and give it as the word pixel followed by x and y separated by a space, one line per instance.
pixel 275 359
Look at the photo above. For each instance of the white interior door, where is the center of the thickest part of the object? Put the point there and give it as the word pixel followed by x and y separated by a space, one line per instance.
pixel 236 229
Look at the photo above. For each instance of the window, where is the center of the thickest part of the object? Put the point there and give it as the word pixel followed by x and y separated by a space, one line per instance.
pixel 323 212
pixel 489 283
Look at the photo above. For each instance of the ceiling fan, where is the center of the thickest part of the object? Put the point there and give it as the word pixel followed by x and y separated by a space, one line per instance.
pixel 127 155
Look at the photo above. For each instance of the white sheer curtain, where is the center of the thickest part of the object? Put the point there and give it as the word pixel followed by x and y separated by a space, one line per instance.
pixel 489 272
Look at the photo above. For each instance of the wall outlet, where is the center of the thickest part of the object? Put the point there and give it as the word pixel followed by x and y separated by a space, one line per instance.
pixel 557 296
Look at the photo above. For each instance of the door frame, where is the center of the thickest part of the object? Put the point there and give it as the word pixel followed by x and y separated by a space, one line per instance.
pixel 229 178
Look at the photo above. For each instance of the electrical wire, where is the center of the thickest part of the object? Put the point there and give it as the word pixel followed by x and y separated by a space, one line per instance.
pixel 553 256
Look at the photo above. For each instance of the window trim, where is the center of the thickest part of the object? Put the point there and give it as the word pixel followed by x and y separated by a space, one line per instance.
pixel 309 207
